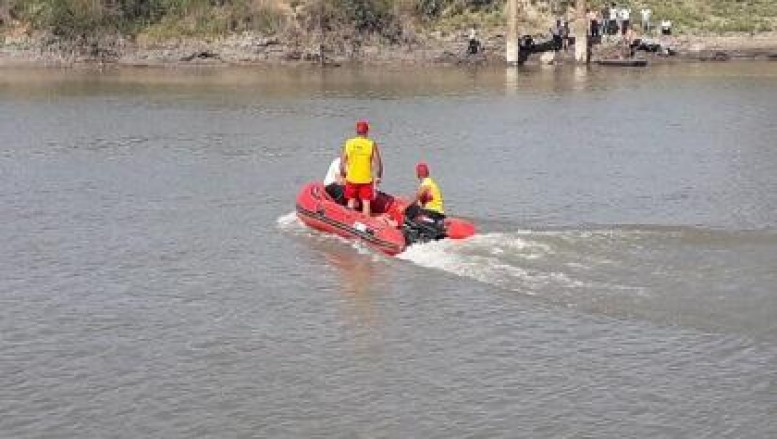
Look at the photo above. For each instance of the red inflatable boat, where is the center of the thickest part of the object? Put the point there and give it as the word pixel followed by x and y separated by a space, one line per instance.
pixel 386 230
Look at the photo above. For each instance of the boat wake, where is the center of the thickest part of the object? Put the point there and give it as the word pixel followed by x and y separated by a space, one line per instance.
pixel 527 261
pixel 530 262
pixel 290 222
pixel 672 274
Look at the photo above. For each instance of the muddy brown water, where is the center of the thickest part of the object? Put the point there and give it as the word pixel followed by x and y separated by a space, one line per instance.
pixel 155 283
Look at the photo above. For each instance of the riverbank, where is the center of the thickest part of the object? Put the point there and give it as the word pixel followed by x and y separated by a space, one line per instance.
pixel 256 49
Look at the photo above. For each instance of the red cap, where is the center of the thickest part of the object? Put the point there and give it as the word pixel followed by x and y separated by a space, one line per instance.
pixel 422 169
pixel 362 127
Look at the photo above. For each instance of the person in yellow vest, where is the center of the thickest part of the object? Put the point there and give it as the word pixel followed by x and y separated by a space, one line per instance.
pixel 428 200
pixel 359 163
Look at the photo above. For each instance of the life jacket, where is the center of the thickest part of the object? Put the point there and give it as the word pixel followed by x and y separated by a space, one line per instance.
pixel 435 204
pixel 358 151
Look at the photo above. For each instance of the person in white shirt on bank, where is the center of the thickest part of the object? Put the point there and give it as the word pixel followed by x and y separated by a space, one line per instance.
pixel 666 27
pixel 646 13
pixel 624 14
pixel 612 21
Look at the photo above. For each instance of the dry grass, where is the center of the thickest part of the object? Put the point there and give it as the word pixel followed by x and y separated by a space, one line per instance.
pixel 262 16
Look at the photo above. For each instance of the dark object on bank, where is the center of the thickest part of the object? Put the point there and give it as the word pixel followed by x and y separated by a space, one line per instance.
pixel 651 47
pixel 716 56
pixel 474 47
pixel 639 44
pixel 204 54
pixel 772 57
pixel 527 46
pixel 623 62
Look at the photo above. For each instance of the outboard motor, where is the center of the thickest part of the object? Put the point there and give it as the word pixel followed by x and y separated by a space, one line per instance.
pixel 423 229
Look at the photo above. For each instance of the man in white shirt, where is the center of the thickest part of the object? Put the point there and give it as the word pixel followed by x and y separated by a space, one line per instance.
pixel 625 17
pixel 666 27
pixel 593 23
pixel 555 33
pixel 333 174
pixel 646 13
pixel 334 182
pixel 612 22
pixel 474 43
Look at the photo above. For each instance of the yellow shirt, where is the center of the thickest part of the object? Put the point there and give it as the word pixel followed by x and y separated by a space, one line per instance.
pixel 436 203
pixel 358 152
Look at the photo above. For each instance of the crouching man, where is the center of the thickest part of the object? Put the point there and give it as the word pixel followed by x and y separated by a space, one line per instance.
pixel 426 210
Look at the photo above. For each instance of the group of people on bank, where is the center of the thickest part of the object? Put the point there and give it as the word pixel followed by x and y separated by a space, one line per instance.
pixel 353 176
pixel 613 20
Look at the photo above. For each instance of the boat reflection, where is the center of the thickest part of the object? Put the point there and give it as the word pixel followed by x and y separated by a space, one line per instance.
pixel 359 279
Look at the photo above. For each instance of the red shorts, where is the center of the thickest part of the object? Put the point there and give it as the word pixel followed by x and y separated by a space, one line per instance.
pixel 360 191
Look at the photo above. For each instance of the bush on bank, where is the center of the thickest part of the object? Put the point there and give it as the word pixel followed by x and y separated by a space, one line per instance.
pixel 387 19
pixel 70 18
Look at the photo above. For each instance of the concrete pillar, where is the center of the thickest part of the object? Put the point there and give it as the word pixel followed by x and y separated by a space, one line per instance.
pixel 581 32
pixel 511 45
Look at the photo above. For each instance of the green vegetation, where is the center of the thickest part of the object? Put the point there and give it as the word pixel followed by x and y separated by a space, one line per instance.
pixel 71 18
pixel 708 16
pixel 386 19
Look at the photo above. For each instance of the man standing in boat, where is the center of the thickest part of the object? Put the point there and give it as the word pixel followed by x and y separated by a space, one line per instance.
pixel 358 163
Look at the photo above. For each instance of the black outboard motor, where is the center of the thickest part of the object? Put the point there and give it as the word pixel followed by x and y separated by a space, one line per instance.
pixel 423 229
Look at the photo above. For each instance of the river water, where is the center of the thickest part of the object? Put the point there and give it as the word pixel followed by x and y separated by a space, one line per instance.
pixel 154 281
